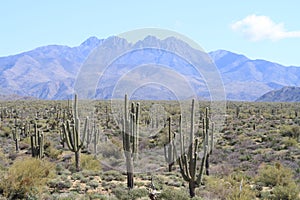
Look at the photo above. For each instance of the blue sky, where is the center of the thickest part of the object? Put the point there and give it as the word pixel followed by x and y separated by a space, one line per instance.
pixel 259 29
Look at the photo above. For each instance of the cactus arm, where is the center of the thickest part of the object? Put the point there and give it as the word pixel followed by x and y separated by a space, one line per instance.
pixel 136 136
pixel 76 138
pixel 200 175
pixel 41 145
pixel 32 146
pixel 186 168
pixel 85 131
pixel 181 136
pixel 182 168
pixel 193 162
pixel 212 138
pixel 67 132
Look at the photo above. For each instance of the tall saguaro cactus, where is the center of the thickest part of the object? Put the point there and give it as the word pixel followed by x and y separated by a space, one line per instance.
pixel 169 149
pixel 71 131
pixel 188 161
pixel 130 135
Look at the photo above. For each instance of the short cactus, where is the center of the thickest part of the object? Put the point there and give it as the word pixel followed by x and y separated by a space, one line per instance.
pixel 37 143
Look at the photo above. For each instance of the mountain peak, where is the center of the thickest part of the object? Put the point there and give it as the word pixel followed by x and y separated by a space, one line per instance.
pixel 91 41
pixel 223 54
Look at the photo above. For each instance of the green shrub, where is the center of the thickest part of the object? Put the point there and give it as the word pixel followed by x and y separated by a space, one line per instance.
pixel 281 179
pixel 290 142
pixel 100 197
pixel 59 185
pixel 88 162
pixel 123 193
pixel 237 194
pixel 112 175
pixel 5 131
pixel 233 187
pixel 170 193
pixel 93 184
pixel 26 177
pixel 52 152
pixel 3 160
pixel 273 175
pixel 291 131
pixel 77 176
pixel 288 192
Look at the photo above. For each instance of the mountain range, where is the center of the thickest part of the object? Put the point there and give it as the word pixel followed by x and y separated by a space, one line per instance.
pixel 285 94
pixel 49 72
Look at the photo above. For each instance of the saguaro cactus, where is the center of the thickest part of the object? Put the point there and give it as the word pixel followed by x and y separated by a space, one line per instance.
pixel 188 161
pixel 209 141
pixel 96 138
pixel 16 135
pixel 72 134
pixel 37 143
pixel 130 135
pixel 169 149
pixel 62 138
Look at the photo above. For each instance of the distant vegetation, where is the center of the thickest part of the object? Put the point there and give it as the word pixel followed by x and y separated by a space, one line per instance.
pixel 255 155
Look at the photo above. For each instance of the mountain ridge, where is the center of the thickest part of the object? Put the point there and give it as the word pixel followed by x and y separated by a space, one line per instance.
pixel 285 94
pixel 49 72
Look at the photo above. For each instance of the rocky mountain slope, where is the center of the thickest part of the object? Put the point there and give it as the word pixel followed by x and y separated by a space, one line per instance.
pixel 285 94
pixel 46 72
pixel 49 72
pixel 246 79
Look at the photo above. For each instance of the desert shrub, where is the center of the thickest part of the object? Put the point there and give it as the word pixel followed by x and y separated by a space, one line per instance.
pixel 170 193
pixel 241 193
pixel 100 197
pixel 138 193
pixel 236 186
pixel 290 142
pixel 273 175
pixel 3 160
pixel 90 173
pixel 290 131
pixel 239 187
pixel 5 131
pixel 52 152
pixel 26 177
pixel 111 151
pixel 123 193
pixel 58 185
pixel 93 184
pixel 288 192
pixel 112 175
pixel 77 176
pixel 88 162
pixel 281 179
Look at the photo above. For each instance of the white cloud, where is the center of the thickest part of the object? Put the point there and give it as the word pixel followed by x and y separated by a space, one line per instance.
pixel 257 28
